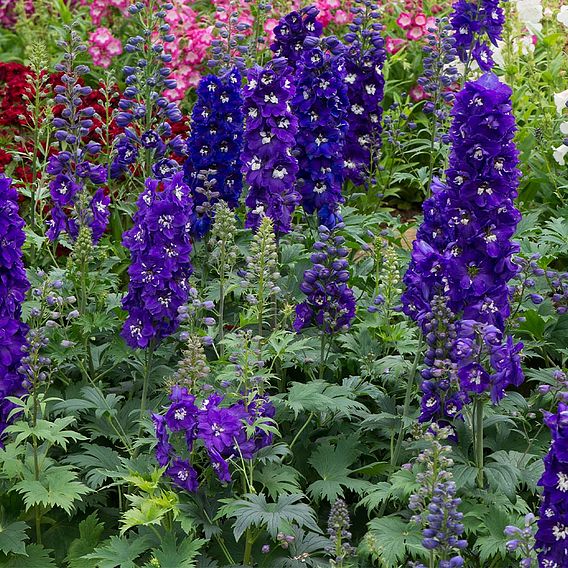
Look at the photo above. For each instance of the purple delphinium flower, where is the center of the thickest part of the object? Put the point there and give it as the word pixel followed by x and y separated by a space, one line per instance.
pixel 13 287
pixel 321 106
pixel 215 144
pixel 71 168
pixel 552 534
pixel 144 112
pixel 476 24
pixel 338 525
pixel 160 247
pixel 292 31
pixel 271 128
pixel 463 249
pixel 330 303
pixel 364 60
pixel 220 430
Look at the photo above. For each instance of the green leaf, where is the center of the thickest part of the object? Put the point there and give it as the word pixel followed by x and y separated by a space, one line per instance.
pixel 495 541
pixel 332 464
pixel 502 478
pixel 13 537
pixel 58 487
pixel 119 552
pixel 170 555
pixel 390 540
pixel 90 531
pixel 464 475
pixel 254 511
pixel 36 557
pixel 278 479
pixel 98 462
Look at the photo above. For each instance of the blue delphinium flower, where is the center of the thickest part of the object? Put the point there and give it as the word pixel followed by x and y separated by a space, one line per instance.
pixel 292 31
pixel 13 287
pixel 160 247
pixel 476 24
pixel 330 303
pixel 72 170
pixel 215 144
pixel 551 539
pixel 364 59
pixel 463 249
pixel 145 113
pixel 321 106
pixel 271 128
pixel 220 430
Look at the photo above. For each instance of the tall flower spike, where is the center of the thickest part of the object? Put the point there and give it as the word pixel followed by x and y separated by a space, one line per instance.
pixel 552 535
pixel 364 60
pixel 271 129
pixel 160 247
pixel 215 144
pixel 73 207
pixel 321 107
pixel 291 33
pixel 463 249
pixel 13 287
pixel 330 303
pixel 476 24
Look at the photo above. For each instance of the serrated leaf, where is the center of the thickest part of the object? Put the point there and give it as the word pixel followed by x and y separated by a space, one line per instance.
pixel 119 552
pixel 90 531
pixel 98 462
pixel 278 479
pixel 464 475
pixel 390 539
pixel 58 487
pixel 13 538
pixel 255 511
pixel 495 541
pixel 502 478
pixel 171 555
pixel 36 557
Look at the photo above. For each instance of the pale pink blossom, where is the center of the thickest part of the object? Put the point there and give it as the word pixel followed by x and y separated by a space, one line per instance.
pixel 104 47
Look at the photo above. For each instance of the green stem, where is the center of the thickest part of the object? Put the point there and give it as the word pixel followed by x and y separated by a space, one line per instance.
pixel 222 300
pixel 478 424
pixel 395 457
pixel 308 420
pixel 37 511
pixel 145 381
pixel 322 356
pixel 247 558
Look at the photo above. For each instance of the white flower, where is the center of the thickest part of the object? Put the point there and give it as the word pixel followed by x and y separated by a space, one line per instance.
pixel 562 16
pixel 560 153
pixel 564 128
pixel 560 100
pixel 530 14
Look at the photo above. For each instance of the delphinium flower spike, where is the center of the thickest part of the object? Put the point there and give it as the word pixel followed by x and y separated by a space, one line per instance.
pixel 271 128
pixel 73 206
pixel 321 106
pixel 330 303
pixel 476 24
pixel 214 145
pixel 145 113
pixel 551 539
pixel 463 249
pixel 364 59
pixel 13 287
pixel 160 247
pixel 338 525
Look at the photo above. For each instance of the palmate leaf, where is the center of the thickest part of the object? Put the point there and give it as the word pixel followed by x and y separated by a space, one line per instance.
pixel 321 397
pixel 390 540
pixel 172 555
pixel 255 511
pixel 90 531
pixel 58 487
pixel 13 538
pixel 332 463
pixel 36 557
pixel 54 432
pixel 278 479
pixel 119 552
pixel 495 541
pixel 98 462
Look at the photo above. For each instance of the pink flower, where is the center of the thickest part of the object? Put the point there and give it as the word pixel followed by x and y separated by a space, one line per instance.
pixel 394 44
pixel 101 9
pixel 417 93
pixel 269 26
pixel 420 19
pixel 104 46
pixel 404 20
pixel 415 33
pixel 431 23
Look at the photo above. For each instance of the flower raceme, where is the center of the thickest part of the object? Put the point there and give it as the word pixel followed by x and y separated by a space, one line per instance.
pixel 464 250
pixel 220 430
pixel 271 128
pixel 13 287
pixel 160 247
